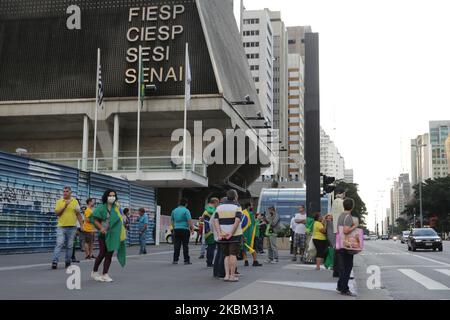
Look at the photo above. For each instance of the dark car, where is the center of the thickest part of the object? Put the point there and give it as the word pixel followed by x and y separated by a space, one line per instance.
pixel 424 238
pixel 384 237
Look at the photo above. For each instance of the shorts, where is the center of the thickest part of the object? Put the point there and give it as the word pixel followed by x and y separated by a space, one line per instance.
pixel 321 248
pixel 300 240
pixel 89 237
pixel 230 248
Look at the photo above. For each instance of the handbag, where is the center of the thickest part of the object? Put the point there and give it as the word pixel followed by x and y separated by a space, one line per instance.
pixel 353 242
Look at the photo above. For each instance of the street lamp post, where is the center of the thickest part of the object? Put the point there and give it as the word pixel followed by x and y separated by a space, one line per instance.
pixel 419 156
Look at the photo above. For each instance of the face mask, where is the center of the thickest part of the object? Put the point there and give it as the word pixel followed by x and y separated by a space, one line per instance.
pixel 111 200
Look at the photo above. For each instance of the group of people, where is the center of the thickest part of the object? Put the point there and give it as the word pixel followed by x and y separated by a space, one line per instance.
pixel 323 234
pixel 229 232
pixel 106 220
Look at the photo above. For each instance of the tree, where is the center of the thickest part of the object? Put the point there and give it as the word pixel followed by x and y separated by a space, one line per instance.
pixel 351 191
pixel 435 203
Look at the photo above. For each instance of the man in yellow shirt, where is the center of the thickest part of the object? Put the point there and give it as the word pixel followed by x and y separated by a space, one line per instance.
pixel 67 210
pixel 89 230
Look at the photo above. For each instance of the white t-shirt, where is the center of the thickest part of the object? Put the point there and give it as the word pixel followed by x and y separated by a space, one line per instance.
pixel 293 224
pixel 300 227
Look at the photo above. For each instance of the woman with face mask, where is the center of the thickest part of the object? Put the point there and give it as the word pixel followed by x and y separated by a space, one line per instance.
pixel 112 234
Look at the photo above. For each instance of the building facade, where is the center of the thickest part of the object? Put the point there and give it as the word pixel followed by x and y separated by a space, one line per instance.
pixel 421 169
pixel 400 196
pixel 348 176
pixel 257 35
pixel 439 133
pixel 332 163
pixel 48 107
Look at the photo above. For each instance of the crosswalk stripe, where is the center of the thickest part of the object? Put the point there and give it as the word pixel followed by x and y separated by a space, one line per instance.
pixel 428 283
pixel 444 271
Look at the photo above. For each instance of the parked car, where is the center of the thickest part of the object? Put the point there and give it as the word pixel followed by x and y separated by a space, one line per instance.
pixel 373 237
pixel 169 236
pixel 384 237
pixel 404 236
pixel 366 237
pixel 424 238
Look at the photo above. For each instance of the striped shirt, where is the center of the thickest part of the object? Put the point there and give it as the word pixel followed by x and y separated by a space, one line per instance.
pixel 227 213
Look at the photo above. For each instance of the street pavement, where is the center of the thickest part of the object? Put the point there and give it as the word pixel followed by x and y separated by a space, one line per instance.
pixel 154 277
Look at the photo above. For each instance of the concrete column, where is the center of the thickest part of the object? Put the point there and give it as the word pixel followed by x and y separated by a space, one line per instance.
pixel 116 143
pixel 85 155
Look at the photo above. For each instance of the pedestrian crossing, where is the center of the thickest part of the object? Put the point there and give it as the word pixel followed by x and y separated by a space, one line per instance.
pixel 426 281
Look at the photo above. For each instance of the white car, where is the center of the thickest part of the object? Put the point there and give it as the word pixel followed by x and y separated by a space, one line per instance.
pixel 366 237
pixel 169 236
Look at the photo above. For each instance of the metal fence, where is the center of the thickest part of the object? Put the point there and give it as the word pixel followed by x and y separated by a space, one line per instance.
pixel 29 190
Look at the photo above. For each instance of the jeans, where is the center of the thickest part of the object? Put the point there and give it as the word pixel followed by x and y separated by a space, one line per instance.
pixel 203 249
pixel 64 238
pixel 210 254
pixel 142 241
pixel 181 237
pixel 103 254
pixel 273 250
pixel 293 246
pixel 259 244
pixel 345 269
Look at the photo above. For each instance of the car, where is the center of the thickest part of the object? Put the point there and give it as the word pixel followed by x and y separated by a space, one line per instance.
pixel 395 238
pixel 169 236
pixel 384 237
pixel 373 237
pixel 424 238
pixel 404 236
pixel 366 237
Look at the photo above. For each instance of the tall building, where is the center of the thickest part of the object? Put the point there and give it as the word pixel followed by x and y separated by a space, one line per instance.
pixel 447 150
pixel 400 195
pixel 332 163
pixel 439 133
pixel 280 87
pixel 420 159
pixel 296 38
pixel 257 35
pixel 348 176
pixel 296 111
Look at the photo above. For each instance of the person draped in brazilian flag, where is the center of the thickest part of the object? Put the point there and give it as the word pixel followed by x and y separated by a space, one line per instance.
pixel 249 231
pixel 112 234
pixel 209 236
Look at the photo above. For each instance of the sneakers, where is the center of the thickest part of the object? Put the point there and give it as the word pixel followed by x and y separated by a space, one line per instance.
pixel 274 261
pixel 210 266
pixel 54 265
pixel 202 257
pixel 68 264
pixel 256 264
pixel 187 263
pixel 349 294
pixel 96 276
pixel 106 278
pixel 246 263
pixel 175 262
pixel 294 259
pixel 268 261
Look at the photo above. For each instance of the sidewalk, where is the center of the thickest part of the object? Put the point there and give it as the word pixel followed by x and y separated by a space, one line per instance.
pixel 154 277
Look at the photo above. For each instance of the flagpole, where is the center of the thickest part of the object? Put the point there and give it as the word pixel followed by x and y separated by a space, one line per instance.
pixel 185 109
pixel 138 162
pixel 94 167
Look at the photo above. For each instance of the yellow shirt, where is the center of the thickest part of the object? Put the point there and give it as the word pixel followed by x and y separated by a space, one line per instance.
pixel 69 216
pixel 316 231
pixel 87 225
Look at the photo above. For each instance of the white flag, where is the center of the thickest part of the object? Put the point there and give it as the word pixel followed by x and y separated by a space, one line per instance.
pixel 188 79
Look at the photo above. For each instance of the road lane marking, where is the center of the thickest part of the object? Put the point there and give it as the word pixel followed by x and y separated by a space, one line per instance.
pixel 431 260
pixel 428 283
pixel 444 271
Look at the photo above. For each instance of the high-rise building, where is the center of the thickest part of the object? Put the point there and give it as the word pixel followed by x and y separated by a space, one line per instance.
pixel 296 38
pixel 332 163
pixel 257 35
pixel 348 175
pixel 439 133
pixel 447 150
pixel 296 117
pixel 400 196
pixel 280 88
pixel 420 159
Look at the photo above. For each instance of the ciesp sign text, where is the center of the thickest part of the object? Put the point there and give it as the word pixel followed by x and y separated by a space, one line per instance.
pixel 162 29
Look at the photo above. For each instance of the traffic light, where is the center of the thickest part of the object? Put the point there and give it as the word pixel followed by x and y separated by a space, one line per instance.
pixel 328 186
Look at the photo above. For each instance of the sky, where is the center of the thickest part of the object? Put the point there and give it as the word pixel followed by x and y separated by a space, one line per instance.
pixel 384 74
